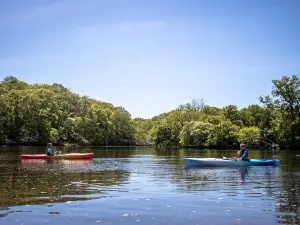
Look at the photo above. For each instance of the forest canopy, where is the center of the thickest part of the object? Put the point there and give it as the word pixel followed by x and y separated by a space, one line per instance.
pixel 35 114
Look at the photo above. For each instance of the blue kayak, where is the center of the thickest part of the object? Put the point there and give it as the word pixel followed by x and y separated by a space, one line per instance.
pixel 229 162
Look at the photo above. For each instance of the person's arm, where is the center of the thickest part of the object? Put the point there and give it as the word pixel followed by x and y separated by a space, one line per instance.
pixel 245 155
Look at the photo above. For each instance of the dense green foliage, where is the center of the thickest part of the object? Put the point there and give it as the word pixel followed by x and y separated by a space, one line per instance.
pixel 37 114
pixel 285 110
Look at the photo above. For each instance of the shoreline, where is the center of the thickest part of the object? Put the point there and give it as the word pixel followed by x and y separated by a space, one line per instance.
pixel 233 147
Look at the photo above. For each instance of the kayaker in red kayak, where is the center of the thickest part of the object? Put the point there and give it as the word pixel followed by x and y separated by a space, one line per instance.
pixel 50 150
pixel 243 153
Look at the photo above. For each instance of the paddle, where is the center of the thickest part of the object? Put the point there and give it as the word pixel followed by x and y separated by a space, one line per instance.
pixel 233 158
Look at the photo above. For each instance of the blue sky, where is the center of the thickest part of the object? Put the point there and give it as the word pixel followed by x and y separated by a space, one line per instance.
pixel 150 56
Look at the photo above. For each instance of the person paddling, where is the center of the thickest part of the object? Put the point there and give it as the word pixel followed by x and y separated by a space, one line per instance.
pixel 243 153
pixel 50 150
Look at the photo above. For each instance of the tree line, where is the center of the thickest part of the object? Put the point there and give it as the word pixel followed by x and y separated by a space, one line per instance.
pixel 34 114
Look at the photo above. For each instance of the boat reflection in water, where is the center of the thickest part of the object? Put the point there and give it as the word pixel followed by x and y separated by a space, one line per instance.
pixel 58 162
pixel 232 180
pixel 53 181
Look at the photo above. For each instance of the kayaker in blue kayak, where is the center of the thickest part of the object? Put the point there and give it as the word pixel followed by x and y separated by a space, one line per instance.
pixel 243 153
pixel 50 150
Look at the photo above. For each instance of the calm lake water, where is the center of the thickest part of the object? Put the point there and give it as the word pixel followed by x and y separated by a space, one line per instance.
pixel 146 186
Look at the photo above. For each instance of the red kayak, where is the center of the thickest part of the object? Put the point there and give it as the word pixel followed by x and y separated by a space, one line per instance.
pixel 61 156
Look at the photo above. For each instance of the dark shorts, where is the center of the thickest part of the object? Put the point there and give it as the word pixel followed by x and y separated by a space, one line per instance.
pixel 49 154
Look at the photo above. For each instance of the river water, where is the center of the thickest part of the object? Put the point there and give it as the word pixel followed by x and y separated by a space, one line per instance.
pixel 142 185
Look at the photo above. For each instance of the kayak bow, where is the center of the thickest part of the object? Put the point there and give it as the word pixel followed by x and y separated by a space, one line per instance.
pixel 215 162
pixel 61 156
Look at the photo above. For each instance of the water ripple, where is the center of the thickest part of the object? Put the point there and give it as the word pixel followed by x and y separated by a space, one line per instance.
pixel 145 188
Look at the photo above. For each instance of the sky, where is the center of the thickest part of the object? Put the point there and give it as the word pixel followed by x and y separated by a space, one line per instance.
pixel 150 56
